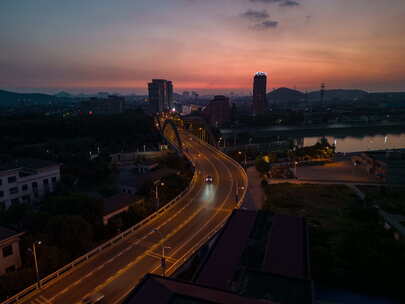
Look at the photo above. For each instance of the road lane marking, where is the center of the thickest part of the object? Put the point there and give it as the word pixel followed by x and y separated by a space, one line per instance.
pixel 152 248
pixel 45 299
pixel 181 247
pixel 212 217
pixel 189 193
pixel 158 256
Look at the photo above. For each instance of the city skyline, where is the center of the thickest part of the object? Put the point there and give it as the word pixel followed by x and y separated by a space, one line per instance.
pixel 201 45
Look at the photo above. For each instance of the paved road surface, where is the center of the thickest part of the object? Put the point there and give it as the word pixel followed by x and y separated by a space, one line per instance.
pixel 115 271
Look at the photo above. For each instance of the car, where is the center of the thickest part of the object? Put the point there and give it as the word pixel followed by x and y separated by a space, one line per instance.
pixel 95 298
pixel 208 179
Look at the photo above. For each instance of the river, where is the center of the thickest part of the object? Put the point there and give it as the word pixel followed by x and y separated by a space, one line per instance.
pixel 362 143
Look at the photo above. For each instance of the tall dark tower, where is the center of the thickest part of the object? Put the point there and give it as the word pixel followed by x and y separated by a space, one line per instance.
pixel 323 86
pixel 160 95
pixel 259 93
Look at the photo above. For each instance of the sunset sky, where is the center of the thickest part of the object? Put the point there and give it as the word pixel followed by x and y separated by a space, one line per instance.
pixel 92 45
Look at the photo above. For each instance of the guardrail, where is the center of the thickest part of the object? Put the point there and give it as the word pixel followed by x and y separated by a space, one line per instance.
pixel 67 269
pixel 204 240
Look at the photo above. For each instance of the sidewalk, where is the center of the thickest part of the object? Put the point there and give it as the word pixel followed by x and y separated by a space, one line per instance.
pixel 255 195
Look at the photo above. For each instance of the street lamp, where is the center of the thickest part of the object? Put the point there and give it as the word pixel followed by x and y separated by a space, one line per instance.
pixel 237 192
pixel 295 169
pixel 201 136
pixel 163 260
pixel 245 162
pixel 157 184
pixel 34 251
pixel 219 142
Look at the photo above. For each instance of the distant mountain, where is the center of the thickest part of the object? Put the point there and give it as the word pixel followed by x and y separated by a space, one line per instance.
pixel 64 94
pixel 338 94
pixel 285 94
pixel 290 95
pixel 9 99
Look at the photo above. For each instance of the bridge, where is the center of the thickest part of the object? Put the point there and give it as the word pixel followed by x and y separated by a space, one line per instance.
pixel 184 225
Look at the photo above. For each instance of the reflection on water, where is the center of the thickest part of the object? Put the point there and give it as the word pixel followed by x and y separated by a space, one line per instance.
pixel 363 143
pixel 334 295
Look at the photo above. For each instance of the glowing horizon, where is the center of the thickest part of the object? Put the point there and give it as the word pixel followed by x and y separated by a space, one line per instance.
pixel 202 45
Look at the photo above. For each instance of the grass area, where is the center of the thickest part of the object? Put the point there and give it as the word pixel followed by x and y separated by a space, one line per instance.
pixel 321 205
pixel 349 247
pixel 390 199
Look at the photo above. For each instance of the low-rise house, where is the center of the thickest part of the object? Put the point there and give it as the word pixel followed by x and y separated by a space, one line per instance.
pixel 268 262
pixel 27 180
pixel 131 183
pixel 10 258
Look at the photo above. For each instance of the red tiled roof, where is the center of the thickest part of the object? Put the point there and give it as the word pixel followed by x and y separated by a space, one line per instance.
pixel 158 290
pixel 219 269
pixel 286 251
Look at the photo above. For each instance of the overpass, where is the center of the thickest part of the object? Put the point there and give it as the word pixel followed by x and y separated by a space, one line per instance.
pixel 185 224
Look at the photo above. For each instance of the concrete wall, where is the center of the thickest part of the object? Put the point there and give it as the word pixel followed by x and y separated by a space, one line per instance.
pixel 12 260
pixel 23 189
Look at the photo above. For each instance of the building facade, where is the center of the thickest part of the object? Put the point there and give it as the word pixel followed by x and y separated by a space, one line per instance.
pixel 10 258
pixel 218 111
pixel 27 180
pixel 160 95
pixel 259 93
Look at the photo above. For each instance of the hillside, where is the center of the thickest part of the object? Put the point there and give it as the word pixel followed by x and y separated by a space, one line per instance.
pixel 285 94
pixel 9 99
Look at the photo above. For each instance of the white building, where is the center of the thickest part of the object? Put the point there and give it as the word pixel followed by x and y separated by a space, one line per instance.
pixel 27 180
pixel 10 258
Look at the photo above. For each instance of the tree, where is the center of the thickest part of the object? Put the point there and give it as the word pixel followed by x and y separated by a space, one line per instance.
pixel 261 165
pixel 70 232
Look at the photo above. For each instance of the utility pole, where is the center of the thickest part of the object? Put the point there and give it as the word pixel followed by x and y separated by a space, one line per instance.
pixel 157 184
pixel 163 258
pixel 323 86
pixel 34 251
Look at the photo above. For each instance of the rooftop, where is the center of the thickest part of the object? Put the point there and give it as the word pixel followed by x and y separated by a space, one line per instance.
pixel 6 233
pixel 286 252
pixel 29 163
pixel 267 260
pixel 118 201
pixel 158 290
pixel 127 178
pixel 223 259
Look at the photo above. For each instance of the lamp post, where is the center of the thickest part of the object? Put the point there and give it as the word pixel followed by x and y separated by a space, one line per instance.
pixel 157 184
pixel 163 260
pixel 219 142
pixel 237 192
pixel 245 162
pixel 201 133
pixel 34 251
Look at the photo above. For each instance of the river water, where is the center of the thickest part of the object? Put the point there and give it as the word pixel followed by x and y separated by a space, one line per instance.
pixel 362 143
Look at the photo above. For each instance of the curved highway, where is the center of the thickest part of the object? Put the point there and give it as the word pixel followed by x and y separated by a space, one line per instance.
pixel 185 227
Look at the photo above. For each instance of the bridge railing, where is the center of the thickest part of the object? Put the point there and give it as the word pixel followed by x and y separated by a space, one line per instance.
pixel 213 232
pixel 67 269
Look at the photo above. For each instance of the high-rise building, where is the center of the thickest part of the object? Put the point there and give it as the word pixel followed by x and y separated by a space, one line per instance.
pixel 170 94
pixel 259 93
pixel 218 111
pixel 160 95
